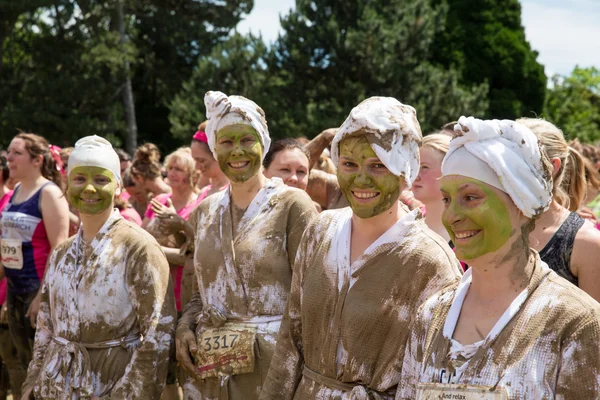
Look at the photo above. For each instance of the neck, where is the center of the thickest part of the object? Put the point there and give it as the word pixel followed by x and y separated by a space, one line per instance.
pixel 219 180
pixel 182 193
pixel 504 273
pixel 158 186
pixel 242 193
pixel 376 226
pixel 93 222
pixel 433 218
pixel 30 183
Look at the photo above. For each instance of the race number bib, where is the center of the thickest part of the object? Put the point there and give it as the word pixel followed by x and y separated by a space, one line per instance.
pixel 442 391
pixel 12 253
pixel 228 350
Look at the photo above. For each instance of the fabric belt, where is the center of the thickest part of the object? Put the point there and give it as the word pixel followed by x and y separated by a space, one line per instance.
pixel 357 392
pixel 73 357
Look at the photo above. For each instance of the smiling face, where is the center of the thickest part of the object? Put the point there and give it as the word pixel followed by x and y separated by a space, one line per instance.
pixel 239 152
pixel 291 165
pixel 91 190
pixel 479 218
pixel 368 185
pixel 427 185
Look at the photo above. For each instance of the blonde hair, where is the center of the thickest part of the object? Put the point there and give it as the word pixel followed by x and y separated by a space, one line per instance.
pixel 437 141
pixel 183 158
pixel 569 185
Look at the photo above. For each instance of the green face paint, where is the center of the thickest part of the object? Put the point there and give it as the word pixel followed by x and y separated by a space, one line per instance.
pixel 476 217
pixel 368 185
pixel 239 152
pixel 91 190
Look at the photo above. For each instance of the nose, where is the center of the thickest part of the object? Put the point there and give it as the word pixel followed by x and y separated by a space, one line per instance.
pixel 451 214
pixel 89 189
pixel 237 149
pixel 293 178
pixel 363 179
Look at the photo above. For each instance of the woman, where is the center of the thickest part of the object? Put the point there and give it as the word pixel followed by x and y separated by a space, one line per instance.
pixel 246 240
pixel 288 160
pixel 146 170
pixel 183 200
pixel 512 329
pixel 565 242
pixel 107 313
pixel 362 271
pixel 427 185
pixel 34 222
pixel 138 197
pixel 206 163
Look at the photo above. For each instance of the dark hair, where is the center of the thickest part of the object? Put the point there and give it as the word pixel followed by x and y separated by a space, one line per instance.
pixel 37 146
pixel 284 144
pixel 127 179
pixel 146 163
pixel 4 171
pixel 123 155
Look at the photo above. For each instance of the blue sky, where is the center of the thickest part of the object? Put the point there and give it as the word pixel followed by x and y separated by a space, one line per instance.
pixel 564 32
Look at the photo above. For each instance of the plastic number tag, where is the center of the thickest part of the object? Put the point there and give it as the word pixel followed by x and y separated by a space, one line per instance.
pixel 12 253
pixel 226 351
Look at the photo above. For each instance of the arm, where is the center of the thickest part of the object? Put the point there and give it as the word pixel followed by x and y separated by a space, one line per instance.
pixel 407 387
pixel 185 337
pixel 316 146
pixel 151 294
pixel 173 256
pixel 285 371
pixel 302 212
pixel 580 362
pixel 584 260
pixel 321 186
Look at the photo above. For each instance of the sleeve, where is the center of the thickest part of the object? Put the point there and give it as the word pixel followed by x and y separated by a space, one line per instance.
pixel 286 366
pixel 192 308
pixel 578 376
pixel 153 299
pixel 44 330
pixel 302 212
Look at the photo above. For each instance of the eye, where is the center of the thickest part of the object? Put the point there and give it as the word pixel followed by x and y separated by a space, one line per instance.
pixel 102 180
pixel 379 166
pixel 248 139
pixel 445 199
pixel 470 197
pixel 284 169
pixel 225 141
pixel 78 178
pixel 349 164
pixel 301 172
pixel 424 167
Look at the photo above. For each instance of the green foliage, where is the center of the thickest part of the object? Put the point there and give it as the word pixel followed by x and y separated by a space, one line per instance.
pixel 573 104
pixel 486 41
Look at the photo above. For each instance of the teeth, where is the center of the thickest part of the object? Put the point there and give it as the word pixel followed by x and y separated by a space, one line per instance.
pixel 368 195
pixel 465 235
pixel 238 164
pixel 90 201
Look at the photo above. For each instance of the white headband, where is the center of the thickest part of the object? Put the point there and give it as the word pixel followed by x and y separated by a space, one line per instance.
pixel 396 134
pixel 95 151
pixel 223 110
pixel 503 154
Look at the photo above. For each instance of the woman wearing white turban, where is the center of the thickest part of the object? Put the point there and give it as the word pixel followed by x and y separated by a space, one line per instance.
pixel 246 239
pixel 361 271
pixel 107 313
pixel 512 329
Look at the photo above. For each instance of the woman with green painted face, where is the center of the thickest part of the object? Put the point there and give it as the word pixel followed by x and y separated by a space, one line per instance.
pixel 512 328
pixel 361 271
pixel 107 312
pixel 245 240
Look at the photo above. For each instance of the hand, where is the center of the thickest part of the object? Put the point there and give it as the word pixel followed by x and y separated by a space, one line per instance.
pixel 34 309
pixel 185 341
pixel 4 314
pixel 328 134
pixel 170 222
pixel 28 395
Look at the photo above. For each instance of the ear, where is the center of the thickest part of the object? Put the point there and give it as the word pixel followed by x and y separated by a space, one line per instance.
pixel 556 164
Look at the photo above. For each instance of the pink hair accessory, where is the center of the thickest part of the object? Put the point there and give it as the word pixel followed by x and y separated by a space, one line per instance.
pixel 55 152
pixel 201 137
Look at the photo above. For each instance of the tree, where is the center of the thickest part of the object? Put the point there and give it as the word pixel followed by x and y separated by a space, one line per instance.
pixel 573 104
pixel 334 54
pixel 236 66
pixel 486 41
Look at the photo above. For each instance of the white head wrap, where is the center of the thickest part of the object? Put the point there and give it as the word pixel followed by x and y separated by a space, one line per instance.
pixel 95 151
pixel 223 110
pixel 503 154
pixel 395 134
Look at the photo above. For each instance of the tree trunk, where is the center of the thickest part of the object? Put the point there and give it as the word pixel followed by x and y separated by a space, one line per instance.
pixel 131 140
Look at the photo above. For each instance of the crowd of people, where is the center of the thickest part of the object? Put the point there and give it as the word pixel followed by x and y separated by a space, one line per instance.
pixel 371 262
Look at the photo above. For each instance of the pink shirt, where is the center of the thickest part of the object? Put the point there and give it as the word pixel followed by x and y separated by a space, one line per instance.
pixel 131 215
pixel 3 286
pixel 184 212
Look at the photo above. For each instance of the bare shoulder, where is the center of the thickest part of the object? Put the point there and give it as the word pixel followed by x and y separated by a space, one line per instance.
pixel 53 192
pixel 587 245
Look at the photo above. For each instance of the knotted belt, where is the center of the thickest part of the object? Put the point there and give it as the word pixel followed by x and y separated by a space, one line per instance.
pixel 357 392
pixel 73 358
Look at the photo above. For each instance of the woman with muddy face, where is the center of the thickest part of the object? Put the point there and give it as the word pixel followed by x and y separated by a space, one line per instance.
pixel 107 313
pixel 361 271
pixel 245 241
pixel 510 313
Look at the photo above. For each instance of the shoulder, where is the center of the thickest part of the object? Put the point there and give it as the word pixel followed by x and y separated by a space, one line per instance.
pixel 295 197
pixel 437 305
pixel 134 237
pixel 62 248
pixel 52 191
pixel 426 244
pixel 163 197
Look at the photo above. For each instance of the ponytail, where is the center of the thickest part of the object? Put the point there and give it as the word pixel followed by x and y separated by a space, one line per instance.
pixel 573 183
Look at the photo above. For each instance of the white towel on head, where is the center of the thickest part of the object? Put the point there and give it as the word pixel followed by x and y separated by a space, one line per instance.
pixel 395 134
pixel 223 110
pixel 95 151
pixel 511 150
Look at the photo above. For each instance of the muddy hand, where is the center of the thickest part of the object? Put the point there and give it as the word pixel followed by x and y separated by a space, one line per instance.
pixel 185 342
pixel 34 309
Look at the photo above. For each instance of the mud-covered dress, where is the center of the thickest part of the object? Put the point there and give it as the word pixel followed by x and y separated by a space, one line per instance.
pixel 545 346
pixel 347 324
pixel 243 261
pixel 107 318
